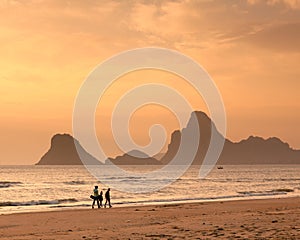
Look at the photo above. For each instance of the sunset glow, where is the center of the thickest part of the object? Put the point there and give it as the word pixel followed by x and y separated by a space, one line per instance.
pixel 250 48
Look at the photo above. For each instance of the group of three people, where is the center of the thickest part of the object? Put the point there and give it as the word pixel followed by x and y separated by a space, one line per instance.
pixel 99 197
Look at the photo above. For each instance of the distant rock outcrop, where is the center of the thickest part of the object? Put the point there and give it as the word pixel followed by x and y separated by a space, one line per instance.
pixel 63 151
pixel 254 150
pixel 133 157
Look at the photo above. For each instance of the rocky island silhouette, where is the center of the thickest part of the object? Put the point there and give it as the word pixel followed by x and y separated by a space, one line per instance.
pixel 253 150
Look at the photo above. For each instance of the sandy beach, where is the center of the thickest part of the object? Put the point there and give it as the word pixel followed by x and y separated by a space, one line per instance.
pixel 248 219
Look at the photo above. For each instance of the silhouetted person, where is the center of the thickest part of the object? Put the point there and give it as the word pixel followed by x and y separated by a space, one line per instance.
pixel 96 197
pixel 101 198
pixel 107 198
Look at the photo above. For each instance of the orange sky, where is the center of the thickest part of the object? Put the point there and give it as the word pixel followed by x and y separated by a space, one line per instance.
pixel 251 48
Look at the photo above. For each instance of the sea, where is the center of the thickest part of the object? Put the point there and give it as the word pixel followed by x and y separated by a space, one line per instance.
pixel 47 188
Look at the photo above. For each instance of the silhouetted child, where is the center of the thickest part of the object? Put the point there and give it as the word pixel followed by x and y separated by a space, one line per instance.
pixel 107 198
pixel 96 197
pixel 101 198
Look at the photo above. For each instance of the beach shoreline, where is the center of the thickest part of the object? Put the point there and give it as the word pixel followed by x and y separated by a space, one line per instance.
pixel 50 208
pixel 255 219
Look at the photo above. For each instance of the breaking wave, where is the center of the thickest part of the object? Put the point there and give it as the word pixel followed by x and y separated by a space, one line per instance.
pixel 75 183
pixel 6 184
pixel 279 191
pixel 39 202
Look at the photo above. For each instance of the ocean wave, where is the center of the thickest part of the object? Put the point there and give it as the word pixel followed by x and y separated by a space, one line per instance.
pixel 180 200
pixel 38 202
pixel 70 206
pixel 283 190
pixel 6 184
pixel 279 191
pixel 280 179
pixel 123 178
pixel 155 180
pixel 75 183
pixel 222 180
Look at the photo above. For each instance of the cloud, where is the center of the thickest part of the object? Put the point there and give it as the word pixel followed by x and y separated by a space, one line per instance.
pixel 174 24
pixel 280 37
pixel 293 4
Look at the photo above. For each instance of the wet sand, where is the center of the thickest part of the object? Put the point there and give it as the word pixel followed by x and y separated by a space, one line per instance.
pixel 248 219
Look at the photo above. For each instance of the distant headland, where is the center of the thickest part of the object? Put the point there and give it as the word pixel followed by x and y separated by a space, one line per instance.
pixel 253 150
pixel 63 152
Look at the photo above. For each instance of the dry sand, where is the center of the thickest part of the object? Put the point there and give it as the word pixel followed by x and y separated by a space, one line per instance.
pixel 250 219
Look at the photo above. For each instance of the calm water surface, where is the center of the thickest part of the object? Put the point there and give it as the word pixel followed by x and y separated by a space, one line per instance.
pixel 41 188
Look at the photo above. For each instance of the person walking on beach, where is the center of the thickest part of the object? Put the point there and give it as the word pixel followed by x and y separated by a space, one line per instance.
pixel 96 197
pixel 107 198
pixel 101 198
